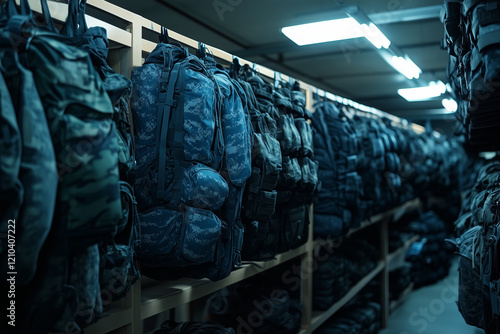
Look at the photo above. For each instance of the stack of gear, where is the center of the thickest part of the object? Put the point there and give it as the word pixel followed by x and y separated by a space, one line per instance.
pixel 284 175
pixel 378 166
pixel 336 148
pixel 299 177
pixel 432 164
pixel 472 30
pixel 339 269
pixel 259 199
pixel 430 255
pixel 172 327
pixel 399 280
pixel 237 133
pixel 477 247
pixel 470 293
pixel 254 308
pixel 331 279
pixel 363 316
pixel 464 221
pixel 64 116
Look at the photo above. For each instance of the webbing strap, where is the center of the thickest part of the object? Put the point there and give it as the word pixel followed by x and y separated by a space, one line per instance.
pixel 469 4
pixel 475 59
pixel 166 109
pixel 322 123
pixel 487 39
pixel 178 145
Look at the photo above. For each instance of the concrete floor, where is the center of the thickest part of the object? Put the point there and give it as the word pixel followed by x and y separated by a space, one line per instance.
pixel 431 310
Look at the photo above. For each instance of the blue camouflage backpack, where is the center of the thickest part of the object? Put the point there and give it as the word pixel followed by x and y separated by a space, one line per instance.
pixel 238 134
pixel 176 104
pixel 260 196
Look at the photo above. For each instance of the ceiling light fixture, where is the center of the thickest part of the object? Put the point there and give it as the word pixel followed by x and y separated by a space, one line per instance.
pixel 434 89
pixel 450 105
pixel 323 31
pixel 405 66
pixel 335 30
pixel 375 36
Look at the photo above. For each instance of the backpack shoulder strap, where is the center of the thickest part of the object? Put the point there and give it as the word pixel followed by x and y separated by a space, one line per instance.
pixel 168 79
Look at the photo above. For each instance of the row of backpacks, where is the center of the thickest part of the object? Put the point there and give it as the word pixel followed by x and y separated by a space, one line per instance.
pixel 214 153
pixel 369 165
pixel 67 157
pixel 472 30
pixel 477 233
pixel 219 152
pixel 339 267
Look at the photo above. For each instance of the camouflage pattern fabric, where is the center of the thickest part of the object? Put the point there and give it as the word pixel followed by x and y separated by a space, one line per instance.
pixel 198 108
pixel 203 187
pixel 79 114
pixel 11 189
pixel 117 272
pixel 38 158
pixel 84 307
pixel 236 132
pixel 170 238
pixel 179 181
pixel 238 135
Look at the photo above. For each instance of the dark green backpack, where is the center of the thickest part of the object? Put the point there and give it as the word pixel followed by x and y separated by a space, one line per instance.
pixel 35 215
pixel 79 115
pixel 64 294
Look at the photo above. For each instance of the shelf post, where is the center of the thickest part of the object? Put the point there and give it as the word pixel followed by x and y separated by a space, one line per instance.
pixel 306 262
pixel 133 301
pixel 384 274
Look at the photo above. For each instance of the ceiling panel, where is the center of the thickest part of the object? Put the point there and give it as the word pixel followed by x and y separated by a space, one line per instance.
pixel 363 88
pixel 352 68
pixel 341 64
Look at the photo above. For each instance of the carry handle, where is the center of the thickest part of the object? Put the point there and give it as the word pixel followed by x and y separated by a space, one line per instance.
pixel 47 22
pixel 70 27
pixel 75 24
pixel 82 22
pixel 11 8
pixel 164 38
pixel 202 51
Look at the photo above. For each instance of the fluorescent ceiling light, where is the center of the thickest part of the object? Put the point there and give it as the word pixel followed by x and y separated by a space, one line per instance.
pixel 450 105
pixel 434 89
pixel 335 30
pixel 323 31
pixel 405 66
pixel 375 36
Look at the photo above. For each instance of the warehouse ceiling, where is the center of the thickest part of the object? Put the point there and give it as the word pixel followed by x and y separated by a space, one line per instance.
pixel 352 68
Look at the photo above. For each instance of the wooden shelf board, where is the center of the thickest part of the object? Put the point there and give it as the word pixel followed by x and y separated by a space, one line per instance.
pixel 59 12
pixel 402 249
pixel 167 295
pixel 319 317
pixel 396 212
pixel 110 321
